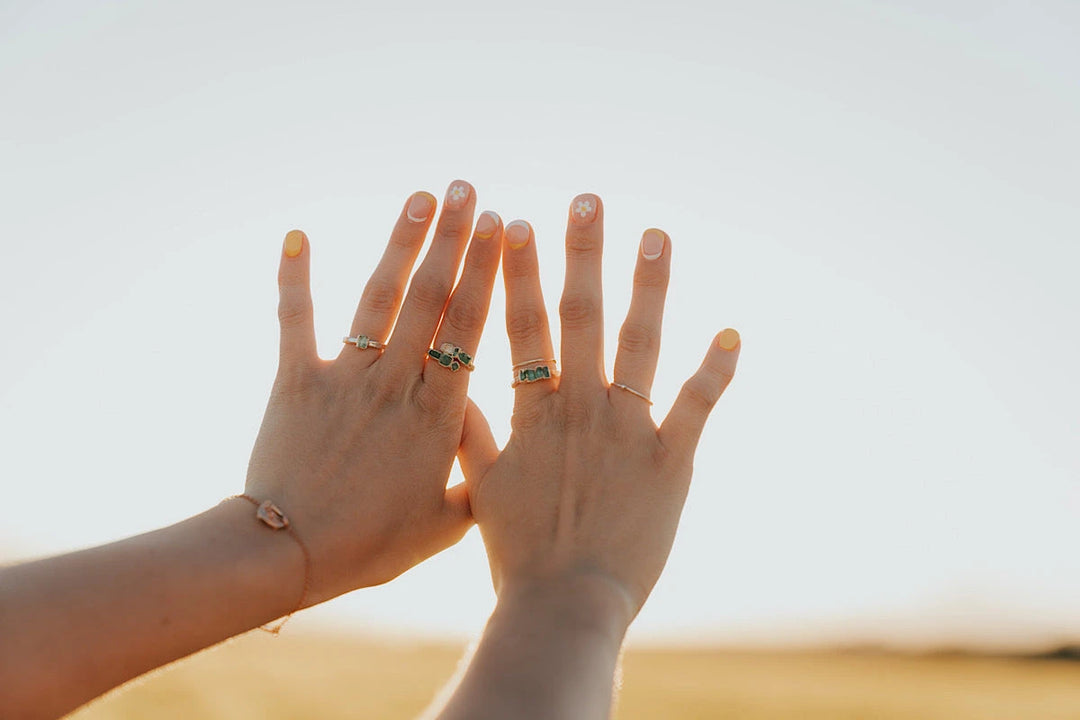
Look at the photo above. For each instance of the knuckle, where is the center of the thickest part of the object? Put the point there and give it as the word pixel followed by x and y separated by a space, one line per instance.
pixel 577 415
pixel 429 294
pixel 406 237
pixel 635 337
pixel 516 268
pixel 292 381
pixel 381 395
pixel 526 417
pixel 464 313
pixel 431 403
pixel 651 277
pixel 578 310
pixel 293 314
pixel 578 245
pixel 700 393
pixel 380 296
pixel 525 324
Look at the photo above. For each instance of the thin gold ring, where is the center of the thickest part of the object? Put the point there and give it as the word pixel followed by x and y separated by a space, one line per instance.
pixel 537 361
pixel 363 342
pixel 632 391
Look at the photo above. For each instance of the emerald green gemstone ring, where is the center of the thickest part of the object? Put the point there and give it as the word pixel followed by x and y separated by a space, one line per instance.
pixel 452 357
pixel 524 374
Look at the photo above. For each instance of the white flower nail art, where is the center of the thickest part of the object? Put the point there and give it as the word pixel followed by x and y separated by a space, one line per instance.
pixel 583 207
pixel 458 192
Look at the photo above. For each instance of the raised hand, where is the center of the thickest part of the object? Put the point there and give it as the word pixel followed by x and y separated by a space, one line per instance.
pixel 357 450
pixel 579 511
pixel 355 453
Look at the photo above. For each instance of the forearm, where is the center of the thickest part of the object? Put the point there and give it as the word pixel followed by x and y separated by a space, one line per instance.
pixel 547 652
pixel 76 625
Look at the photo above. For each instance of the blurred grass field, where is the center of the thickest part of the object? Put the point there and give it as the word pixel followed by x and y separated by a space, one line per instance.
pixel 310 676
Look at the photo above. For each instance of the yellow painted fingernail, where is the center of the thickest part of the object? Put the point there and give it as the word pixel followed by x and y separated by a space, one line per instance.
pixel 486 225
pixel 729 339
pixel 517 234
pixel 420 206
pixel 294 243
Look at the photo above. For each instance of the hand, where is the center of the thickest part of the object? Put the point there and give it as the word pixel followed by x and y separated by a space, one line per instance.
pixel 357 451
pixel 588 491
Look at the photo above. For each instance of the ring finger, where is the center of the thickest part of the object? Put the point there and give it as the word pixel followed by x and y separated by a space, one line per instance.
pixel 526 317
pixel 463 321
pixel 639 337
pixel 381 299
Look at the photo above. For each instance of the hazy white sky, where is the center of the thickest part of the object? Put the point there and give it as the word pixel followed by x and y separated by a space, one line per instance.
pixel 880 196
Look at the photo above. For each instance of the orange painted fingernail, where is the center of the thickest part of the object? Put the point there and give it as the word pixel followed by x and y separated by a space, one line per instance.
pixel 420 207
pixel 294 243
pixel 457 195
pixel 729 339
pixel 486 225
pixel 652 244
pixel 517 234
pixel 583 209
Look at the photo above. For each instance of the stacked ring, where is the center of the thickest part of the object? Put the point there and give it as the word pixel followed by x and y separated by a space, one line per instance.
pixel 363 342
pixel 452 357
pixel 533 370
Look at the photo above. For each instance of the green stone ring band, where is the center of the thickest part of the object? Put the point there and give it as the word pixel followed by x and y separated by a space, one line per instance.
pixel 452 357
pixel 531 374
pixel 363 342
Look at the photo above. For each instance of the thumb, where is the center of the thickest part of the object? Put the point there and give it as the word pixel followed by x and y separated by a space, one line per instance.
pixel 477 451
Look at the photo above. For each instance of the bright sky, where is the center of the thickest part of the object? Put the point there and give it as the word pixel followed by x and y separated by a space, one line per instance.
pixel 880 196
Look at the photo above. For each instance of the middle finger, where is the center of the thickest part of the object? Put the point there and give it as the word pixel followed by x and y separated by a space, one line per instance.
pixel 431 285
pixel 582 305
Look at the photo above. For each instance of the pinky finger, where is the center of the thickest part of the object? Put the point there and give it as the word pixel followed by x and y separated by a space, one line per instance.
pixel 294 305
pixel 682 427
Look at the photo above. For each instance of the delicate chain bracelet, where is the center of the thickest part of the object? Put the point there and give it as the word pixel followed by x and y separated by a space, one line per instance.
pixel 269 514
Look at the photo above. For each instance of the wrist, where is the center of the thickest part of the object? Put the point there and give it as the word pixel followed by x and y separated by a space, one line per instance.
pixel 549 650
pixel 265 562
pixel 584 601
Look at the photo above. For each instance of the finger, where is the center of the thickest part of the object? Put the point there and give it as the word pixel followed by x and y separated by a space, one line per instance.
pixel 477 451
pixel 295 312
pixel 454 521
pixel 682 427
pixel 639 337
pixel 526 317
pixel 381 299
pixel 431 285
pixel 466 313
pixel 581 308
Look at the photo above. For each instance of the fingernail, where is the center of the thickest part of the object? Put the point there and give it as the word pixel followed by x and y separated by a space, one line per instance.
pixel 652 244
pixel 420 207
pixel 457 195
pixel 729 339
pixel 583 209
pixel 517 234
pixel 294 243
pixel 486 225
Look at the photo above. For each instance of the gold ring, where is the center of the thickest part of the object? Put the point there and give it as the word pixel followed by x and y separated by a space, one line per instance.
pixel 632 391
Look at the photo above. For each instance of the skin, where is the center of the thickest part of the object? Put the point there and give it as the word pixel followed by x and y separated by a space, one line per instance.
pixel 579 510
pixel 336 452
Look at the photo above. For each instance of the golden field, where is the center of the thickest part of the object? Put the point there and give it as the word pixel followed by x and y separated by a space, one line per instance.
pixel 308 676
